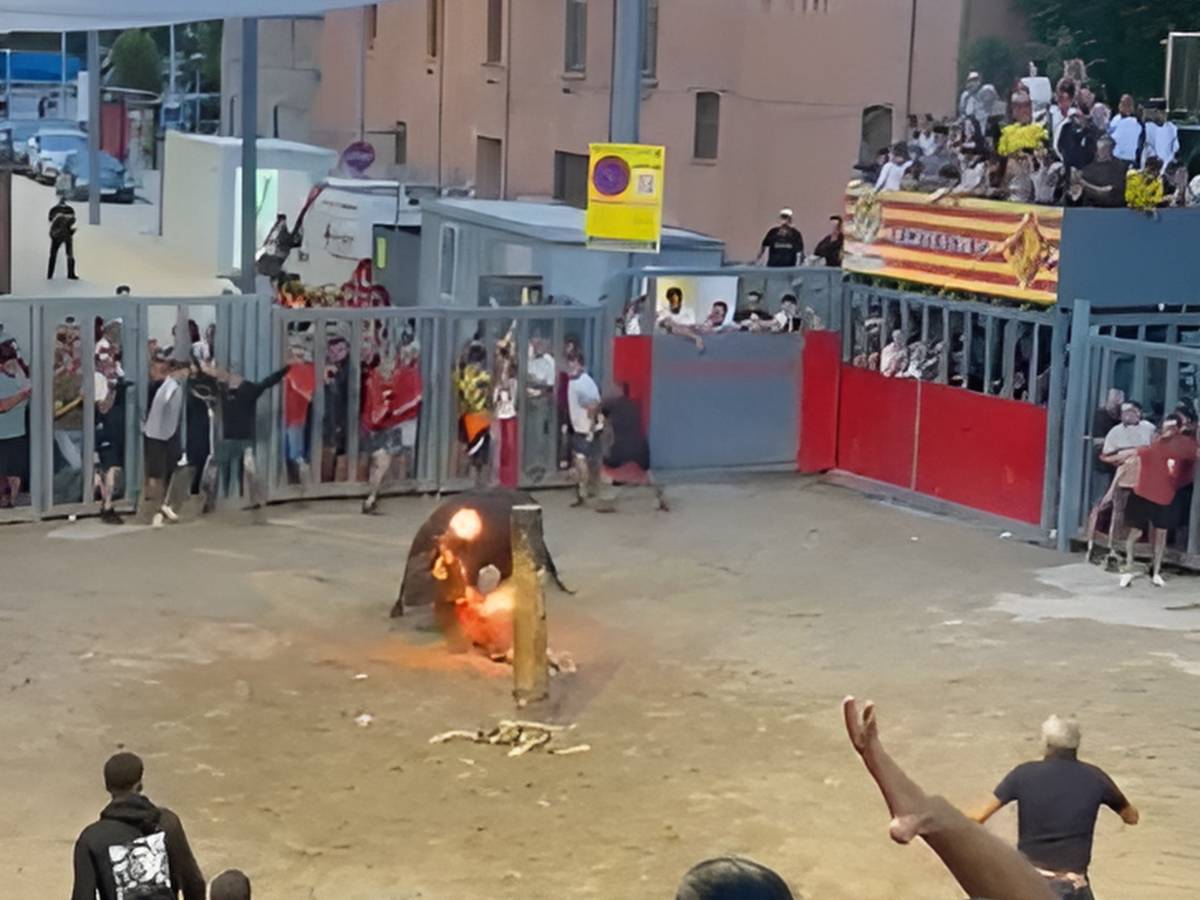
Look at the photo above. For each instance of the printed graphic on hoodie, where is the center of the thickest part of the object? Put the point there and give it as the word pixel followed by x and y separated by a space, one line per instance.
pixel 140 868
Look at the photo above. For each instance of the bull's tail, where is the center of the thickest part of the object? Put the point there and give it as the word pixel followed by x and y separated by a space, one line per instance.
pixel 552 571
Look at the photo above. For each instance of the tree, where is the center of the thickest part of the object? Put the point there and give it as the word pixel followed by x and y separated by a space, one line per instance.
pixel 136 62
pixel 993 59
pixel 1121 40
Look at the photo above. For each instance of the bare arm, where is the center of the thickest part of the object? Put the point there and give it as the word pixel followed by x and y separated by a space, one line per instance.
pixel 15 400
pixel 985 810
pixel 982 864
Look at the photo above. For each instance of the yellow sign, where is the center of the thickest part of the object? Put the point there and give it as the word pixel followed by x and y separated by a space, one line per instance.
pixel 625 194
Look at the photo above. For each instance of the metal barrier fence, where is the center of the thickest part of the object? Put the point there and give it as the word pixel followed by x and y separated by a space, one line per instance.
pixel 994 350
pixel 57 348
pixel 1153 358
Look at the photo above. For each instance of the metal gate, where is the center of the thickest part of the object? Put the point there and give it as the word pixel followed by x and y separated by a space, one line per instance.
pixel 48 443
pixel 527 422
pixel 1153 358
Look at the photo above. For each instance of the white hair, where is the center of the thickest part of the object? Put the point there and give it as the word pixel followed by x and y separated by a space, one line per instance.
pixel 1060 734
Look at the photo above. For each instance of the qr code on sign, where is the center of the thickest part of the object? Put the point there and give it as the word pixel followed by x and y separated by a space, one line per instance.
pixel 645 184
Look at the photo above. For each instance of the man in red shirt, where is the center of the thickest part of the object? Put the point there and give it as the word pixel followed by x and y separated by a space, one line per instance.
pixel 1165 466
pixel 391 407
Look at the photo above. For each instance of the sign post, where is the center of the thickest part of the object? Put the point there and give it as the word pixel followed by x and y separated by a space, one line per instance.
pixel 625 197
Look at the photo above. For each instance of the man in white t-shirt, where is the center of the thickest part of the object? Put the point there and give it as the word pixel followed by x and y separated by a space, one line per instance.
pixel 893 170
pixel 583 407
pixel 1126 132
pixel 541 375
pixel 1120 444
pixel 677 314
pixel 1124 438
pixel 1162 138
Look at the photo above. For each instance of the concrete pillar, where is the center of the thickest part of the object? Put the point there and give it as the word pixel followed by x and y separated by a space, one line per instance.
pixel 625 104
pixel 249 110
pixel 93 64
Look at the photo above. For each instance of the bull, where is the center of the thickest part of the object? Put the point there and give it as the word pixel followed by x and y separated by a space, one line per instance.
pixel 491 546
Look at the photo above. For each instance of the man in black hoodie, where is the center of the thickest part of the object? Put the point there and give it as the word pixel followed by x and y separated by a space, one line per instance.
pixel 136 849
pixel 238 410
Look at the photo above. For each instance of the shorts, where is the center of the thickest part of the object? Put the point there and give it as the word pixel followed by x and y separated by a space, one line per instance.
pixel 11 450
pixel 161 457
pixel 295 443
pixel 111 454
pixel 392 440
pixel 474 430
pixel 584 445
pixel 1140 512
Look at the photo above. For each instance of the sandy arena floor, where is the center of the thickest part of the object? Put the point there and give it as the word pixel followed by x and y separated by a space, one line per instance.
pixel 714 645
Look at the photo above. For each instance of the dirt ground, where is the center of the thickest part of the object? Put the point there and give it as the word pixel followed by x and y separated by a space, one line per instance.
pixel 714 646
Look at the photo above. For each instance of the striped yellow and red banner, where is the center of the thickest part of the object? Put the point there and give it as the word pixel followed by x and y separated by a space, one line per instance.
pixel 955 243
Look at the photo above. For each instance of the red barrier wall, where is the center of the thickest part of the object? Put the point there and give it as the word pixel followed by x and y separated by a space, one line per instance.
pixel 983 452
pixel 633 364
pixel 876 420
pixel 818 420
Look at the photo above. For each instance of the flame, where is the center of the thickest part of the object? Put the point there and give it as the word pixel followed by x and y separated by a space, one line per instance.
pixel 466 524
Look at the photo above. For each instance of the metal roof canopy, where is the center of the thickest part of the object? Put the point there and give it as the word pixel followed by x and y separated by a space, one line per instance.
pixel 89 15
pixel 554 223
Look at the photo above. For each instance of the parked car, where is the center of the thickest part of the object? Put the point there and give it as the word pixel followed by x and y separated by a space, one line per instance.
pixel 15 135
pixel 49 149
pixel 115 181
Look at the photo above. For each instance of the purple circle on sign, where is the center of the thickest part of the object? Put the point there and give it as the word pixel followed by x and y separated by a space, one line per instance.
pixel 611 176
pixel 358 156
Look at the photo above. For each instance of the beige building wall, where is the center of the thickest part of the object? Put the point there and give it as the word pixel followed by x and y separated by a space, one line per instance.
pixel 794 78
pixel 289 74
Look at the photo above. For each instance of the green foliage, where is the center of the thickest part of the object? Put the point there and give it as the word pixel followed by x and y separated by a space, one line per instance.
pixel 995 60
pixel 137 62
pixel 1121 41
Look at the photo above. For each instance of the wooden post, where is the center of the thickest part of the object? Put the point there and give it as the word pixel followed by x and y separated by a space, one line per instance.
pixel 531 668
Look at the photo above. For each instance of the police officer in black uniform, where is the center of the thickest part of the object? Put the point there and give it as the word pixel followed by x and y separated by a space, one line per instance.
pixel 62 234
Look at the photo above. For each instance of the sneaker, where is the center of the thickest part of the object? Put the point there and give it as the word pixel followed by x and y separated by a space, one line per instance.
pixel 1157 581
pixel 370 505
pixel 1127 579
pixel 111 517
pixel 168 513
pixel 157 521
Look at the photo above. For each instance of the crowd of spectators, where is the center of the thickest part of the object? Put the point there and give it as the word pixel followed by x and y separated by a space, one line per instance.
pixel 1064 148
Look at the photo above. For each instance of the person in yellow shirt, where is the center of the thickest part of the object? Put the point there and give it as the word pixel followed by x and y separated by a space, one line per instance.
pixel 473 384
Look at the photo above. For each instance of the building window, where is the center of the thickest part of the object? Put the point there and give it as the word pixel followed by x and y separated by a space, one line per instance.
pixel 489 165
pixel 400 144
pixel 432 27
pixel 876 132
pixel 495 31
pixel 650 41
pixel 708 125
pixel 576 39
pixel 449 261
pixel 372 23
pixel 571 178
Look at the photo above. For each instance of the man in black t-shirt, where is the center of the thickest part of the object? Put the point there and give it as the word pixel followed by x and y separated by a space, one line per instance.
pixel 830 246
pixel 1057 799
pixel 783 246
